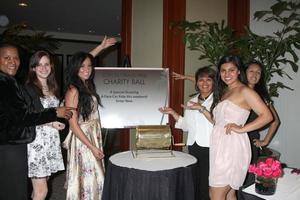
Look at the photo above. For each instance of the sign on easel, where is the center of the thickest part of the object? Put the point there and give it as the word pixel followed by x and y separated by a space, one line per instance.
pixel 132 96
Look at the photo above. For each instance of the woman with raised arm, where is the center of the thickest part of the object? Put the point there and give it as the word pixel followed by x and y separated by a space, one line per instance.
pixel 196 124
pixel 85 166
pixel 106 42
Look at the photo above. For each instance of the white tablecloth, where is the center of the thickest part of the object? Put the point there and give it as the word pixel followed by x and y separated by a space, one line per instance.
pixel 126 159
pixel 288 188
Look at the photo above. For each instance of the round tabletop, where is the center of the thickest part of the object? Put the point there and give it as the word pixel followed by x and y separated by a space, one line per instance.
pixel 126 159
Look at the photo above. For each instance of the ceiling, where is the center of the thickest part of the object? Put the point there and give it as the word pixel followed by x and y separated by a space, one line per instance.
pixel 87 17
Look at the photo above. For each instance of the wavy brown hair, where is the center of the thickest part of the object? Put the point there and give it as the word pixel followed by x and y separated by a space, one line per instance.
pixel 34 81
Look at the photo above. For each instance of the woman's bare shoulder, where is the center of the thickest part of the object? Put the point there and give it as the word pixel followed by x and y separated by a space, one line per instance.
pixel 72 89
pixel 245 90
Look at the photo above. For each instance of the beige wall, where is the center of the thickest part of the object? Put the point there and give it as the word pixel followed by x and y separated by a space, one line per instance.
pixel 210 11
pixel 147 33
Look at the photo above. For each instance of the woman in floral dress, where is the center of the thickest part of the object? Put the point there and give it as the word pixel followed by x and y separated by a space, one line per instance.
pixel 44 153
pixel 85 168
pixel 85 165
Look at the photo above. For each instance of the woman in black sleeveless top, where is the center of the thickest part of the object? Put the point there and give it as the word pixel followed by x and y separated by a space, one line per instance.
pixel 256 80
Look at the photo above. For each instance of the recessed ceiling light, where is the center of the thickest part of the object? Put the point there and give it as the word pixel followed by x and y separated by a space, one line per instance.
pixel 91 31
pixel 22 4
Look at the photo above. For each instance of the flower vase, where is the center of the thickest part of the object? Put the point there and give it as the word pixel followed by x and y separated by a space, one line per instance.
pixel 265 186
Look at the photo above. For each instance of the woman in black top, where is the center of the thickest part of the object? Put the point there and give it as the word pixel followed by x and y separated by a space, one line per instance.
pixel 256 80
pixel 15 132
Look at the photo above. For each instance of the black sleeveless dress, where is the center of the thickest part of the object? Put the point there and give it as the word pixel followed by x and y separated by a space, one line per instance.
pixel 250 178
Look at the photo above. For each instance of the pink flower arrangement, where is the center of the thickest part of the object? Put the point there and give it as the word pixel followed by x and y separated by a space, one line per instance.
pixel 270 168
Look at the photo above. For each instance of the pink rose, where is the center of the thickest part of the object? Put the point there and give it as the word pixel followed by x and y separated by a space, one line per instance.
pixel 277 173
pixel 269 161
pixel 258 172
pixel 276 164
pixel 262 165
pixel 269 168
pixel 252 169
pixel 267 172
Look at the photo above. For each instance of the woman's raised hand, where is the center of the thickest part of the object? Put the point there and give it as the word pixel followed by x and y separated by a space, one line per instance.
pixel 177 76
pixel 166 110
pixel 107 42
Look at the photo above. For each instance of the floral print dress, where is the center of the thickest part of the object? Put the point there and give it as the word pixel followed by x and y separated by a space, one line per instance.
pixel 44 153
pixel 85 174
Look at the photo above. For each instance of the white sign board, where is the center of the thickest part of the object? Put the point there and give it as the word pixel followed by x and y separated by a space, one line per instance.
pixel 132 96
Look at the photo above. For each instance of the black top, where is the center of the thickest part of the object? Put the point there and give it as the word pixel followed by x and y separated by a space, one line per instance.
pixel 253 135
pixel 16 117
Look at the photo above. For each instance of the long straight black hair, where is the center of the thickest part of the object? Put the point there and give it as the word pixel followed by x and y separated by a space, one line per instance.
pixel 220 86
pixel 86 89
pixel 260 87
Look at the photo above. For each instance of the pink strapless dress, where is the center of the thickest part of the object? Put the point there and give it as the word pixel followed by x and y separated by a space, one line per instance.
pixel 230 155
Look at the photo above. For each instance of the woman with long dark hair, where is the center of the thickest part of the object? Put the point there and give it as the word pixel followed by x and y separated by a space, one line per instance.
pixel 256 80
pixel 44 153
pixel 85 166
pixel 230 151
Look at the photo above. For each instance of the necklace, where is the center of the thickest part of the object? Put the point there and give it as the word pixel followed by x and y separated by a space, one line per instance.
pixel 202 99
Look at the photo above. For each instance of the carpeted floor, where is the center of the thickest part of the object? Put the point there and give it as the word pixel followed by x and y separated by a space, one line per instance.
pixel 57 181
pixel 56 187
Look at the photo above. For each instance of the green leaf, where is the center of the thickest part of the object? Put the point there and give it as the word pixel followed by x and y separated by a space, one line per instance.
pixel 260 14
pixel 294 66
pixel 213 40
pixel 279 7
pixel 291 18
pixel 269 19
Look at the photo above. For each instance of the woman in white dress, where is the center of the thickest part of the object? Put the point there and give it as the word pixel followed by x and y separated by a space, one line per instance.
pixel 44 153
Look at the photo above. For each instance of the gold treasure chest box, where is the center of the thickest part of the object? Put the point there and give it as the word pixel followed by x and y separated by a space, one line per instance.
pixel 154 141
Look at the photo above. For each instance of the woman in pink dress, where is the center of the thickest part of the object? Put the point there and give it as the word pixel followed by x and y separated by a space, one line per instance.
pixel 230 151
